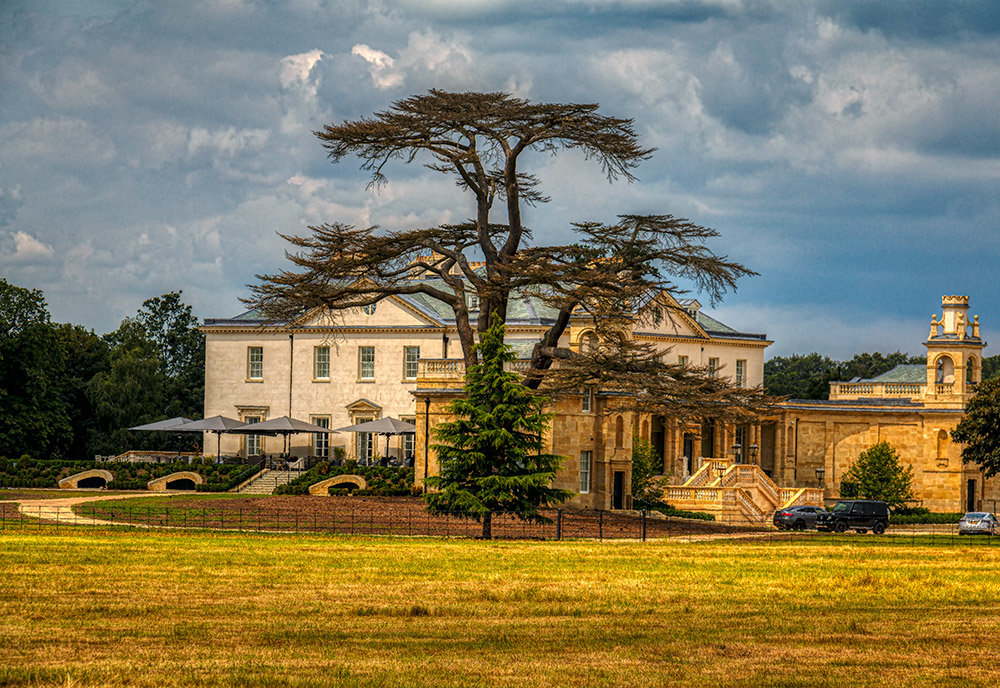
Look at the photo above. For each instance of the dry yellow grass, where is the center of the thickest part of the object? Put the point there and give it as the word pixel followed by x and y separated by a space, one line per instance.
pixel 165 609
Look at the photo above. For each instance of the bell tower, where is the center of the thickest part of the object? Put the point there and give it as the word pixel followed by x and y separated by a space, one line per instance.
pixel 954 354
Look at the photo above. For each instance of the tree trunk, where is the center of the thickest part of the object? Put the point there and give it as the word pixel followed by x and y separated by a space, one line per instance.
pixel 488 526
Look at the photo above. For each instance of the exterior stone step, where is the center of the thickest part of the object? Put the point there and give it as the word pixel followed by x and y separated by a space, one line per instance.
pixel 268 481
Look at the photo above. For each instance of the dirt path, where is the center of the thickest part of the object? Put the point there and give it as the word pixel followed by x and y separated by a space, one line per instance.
pixel 60 511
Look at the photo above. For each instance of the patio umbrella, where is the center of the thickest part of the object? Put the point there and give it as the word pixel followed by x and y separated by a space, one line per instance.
pixel 168 425
pixel 216 424
pixel 283 425
pixel 383 426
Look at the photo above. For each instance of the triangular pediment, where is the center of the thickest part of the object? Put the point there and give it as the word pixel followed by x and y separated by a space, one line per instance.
pixel 363 405
pixel 390 312
pixel 666 316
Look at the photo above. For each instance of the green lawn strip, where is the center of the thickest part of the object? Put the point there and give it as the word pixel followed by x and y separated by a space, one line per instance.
pixel 156 609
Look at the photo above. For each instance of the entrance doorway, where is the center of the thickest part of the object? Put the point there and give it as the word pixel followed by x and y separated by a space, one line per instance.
pixel 970 498
pixel 708 439
pixel 688 455
pixel 618 496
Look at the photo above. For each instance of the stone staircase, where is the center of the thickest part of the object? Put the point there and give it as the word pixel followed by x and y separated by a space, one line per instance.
pixel 266 482
pixel 737 493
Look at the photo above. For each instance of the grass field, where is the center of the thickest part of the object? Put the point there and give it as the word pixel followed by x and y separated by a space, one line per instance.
pixel 158 609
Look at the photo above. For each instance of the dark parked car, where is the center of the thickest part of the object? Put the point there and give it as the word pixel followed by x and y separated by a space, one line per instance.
pixel 978 523
pixel 858 514
pixel 797 517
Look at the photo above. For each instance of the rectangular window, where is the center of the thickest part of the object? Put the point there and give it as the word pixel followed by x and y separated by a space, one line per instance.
pixel 586 457
pixel 321 363
pixel 411 357
pixel 366 362
pixel 713 367
pixel 409 442
pixel 253 441
pixel 741 373
pixel 255 363
pixel 364 445
pixel 587 404
pixel 321 441
pixel 682 360
pixel 473 301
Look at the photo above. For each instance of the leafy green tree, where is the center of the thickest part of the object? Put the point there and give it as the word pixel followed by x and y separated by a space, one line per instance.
pixel 156 369
pixel 979 429
pixel 878 474
pixel 165 328
pixel 491 453
pixel 86 355
pixel 646 463
pixel 34 419
pixel 130 392
pixel 799 376
pixel 991 367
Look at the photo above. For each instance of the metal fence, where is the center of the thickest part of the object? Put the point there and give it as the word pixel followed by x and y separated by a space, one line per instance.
pixel 566 524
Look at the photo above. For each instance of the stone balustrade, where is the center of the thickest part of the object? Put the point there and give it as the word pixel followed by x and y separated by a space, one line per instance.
pixel 877 390
pixel 454 368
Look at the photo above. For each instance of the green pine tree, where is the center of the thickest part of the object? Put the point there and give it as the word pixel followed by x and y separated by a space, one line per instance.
pixel 877 474
pixel 491 453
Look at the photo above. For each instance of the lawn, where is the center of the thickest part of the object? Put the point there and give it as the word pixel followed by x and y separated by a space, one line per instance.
pixel 162 609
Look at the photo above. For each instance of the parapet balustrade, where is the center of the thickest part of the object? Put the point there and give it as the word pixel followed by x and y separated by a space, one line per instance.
pixel 876 389
pixel 454 368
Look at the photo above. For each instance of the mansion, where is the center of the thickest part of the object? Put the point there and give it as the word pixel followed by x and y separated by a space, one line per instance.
pixel 401 358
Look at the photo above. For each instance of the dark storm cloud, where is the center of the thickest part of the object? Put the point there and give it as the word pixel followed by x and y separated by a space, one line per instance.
pixel 935 20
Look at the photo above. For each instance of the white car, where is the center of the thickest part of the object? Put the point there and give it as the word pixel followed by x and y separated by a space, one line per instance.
pixel 978 523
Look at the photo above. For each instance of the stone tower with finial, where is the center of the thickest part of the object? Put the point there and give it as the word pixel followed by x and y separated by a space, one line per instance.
pixel 954 354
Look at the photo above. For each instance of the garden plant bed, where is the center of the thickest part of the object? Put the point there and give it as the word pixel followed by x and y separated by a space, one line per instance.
pixel 379 516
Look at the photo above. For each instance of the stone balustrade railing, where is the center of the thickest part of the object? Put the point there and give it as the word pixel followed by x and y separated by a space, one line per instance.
pixel 454 368
pixel 879 390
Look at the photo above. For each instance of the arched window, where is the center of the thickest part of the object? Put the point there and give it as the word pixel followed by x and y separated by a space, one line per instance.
pixel 945 370
pixel 970 371
pixel 619 432
pixel 588 342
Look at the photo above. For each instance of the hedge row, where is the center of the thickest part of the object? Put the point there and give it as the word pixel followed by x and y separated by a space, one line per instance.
pixel 26 472
pixel 385 481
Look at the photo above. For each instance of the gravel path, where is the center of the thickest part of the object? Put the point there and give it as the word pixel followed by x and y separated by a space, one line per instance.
pixel 61 511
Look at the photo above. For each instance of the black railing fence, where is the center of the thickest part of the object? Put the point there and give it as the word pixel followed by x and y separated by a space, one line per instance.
pixel 566 524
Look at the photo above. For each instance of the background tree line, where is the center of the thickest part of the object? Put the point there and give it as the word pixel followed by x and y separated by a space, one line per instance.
pixel 68 393
pixel 809 376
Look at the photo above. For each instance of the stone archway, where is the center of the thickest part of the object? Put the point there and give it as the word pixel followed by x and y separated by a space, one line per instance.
pixel 92 479
pixel 322 488
pixel 182 480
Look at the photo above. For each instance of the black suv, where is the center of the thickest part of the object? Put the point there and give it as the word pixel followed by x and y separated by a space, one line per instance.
pixel 861 515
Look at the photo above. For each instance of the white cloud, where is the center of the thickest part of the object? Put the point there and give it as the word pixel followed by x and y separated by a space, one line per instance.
pixel 295 69
pixel 29 249
pixel 381 66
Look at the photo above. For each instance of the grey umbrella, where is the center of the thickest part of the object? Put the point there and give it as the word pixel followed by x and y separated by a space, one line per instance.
pixel 283 425
pixel 216 424
pixel 383 426
pixel 168 425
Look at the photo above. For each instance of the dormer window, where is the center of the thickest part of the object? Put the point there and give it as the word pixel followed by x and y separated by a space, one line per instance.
pixel 473 299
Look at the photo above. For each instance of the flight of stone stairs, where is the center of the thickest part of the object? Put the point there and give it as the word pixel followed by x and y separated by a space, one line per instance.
pixel 267 481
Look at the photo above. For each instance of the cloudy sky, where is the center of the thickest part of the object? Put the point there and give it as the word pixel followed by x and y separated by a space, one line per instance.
pixel 849 152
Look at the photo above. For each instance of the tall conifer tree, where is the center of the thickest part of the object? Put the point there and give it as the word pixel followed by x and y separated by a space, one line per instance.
pixel 491 453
